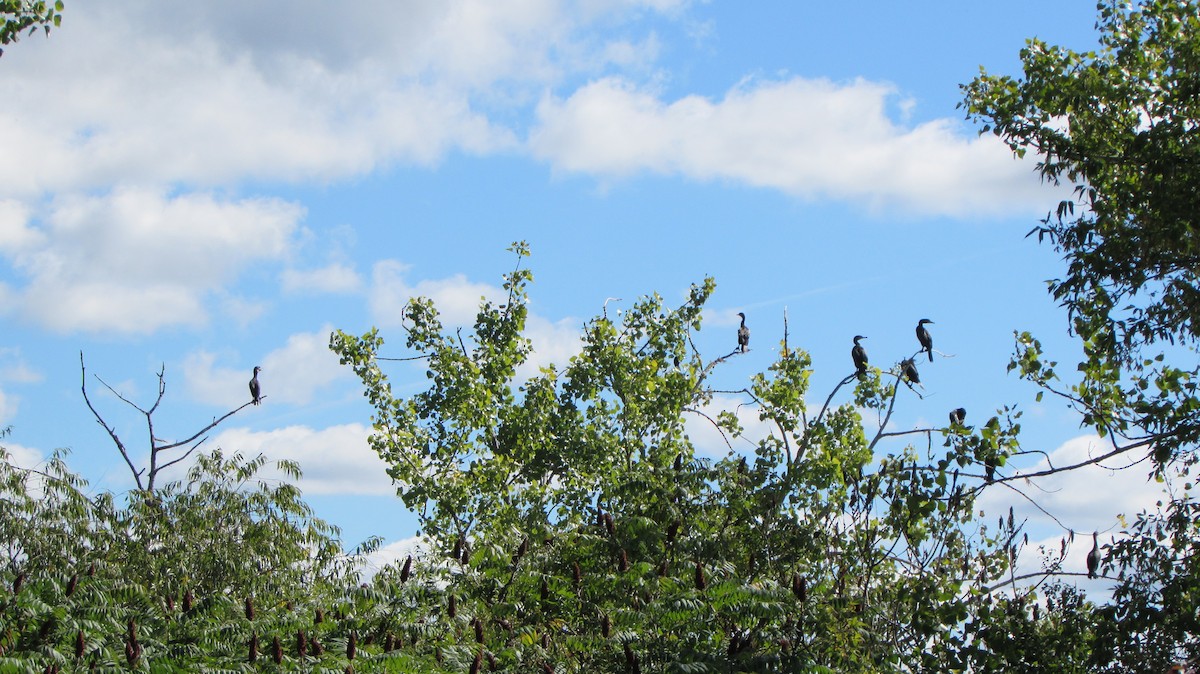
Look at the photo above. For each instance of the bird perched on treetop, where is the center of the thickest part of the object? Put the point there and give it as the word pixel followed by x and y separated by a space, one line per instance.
pixel 909 368
pixel 925 338
pixel 743 335
pixel 859 354
pixel 958 416
pixel 255 389
pixel 1093 558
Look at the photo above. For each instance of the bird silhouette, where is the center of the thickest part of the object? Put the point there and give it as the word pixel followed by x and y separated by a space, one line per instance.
pixel 859 354
pixel 743 335
pixel 1093 558
pixel 909 369
pixel 925 338
pixel 255 388
pixel 958 416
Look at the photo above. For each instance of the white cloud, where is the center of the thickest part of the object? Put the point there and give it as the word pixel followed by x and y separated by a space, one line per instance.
pixel 25 457
pixel 335 460
pixel 333 278
pixel 810 138
pixel 456 298
pixel 220 91
pixel 553 343
pixel 137 260
pixel 292 374
pixel 1086 499
pixel 15 233
pixel 712 442
pixel 13 367
pixel 395 551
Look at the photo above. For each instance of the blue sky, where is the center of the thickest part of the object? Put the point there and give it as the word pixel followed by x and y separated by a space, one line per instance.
pixel 211 186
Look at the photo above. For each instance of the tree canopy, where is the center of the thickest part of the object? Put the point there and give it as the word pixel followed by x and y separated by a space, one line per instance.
pixel 571 520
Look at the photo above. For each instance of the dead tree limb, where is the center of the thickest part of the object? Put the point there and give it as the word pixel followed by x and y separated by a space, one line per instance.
pixel 158 461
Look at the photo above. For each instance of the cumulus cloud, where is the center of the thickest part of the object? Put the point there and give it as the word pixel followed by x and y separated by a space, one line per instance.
pixel 1086 499
pixel 292 374
pixel 807 137
pixel 554 342
pixel 25 457
pixel 712 442
pixel 217 92
pixel 335 460
pixel 138 260
pixel 333 278
pixel 456 297
pixel 395 551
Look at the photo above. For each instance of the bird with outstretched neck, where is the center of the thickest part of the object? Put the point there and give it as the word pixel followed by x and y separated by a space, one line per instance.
pixel 859 355
pixel 255 387
pixel 925 338
pixel 1093 558
pixel 743 335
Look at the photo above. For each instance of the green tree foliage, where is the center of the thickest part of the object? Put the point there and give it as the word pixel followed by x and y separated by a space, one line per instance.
pixel 19 15
pixel 1119 126
pixel 576 530
pixel 186 578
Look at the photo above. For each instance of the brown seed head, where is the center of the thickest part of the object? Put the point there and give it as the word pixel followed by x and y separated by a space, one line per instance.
pixel 478 664
pixel 452 607
pixel 301 644
pixel 80 644
pixel 249 608
pixel 352 646
pixel 276 650
pixel 406 572
pixel 623 564
pixel 252 655
pixel 71 584
pixel 701 582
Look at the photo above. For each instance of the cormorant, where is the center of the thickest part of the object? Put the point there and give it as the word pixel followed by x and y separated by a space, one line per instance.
pixel 1093 558
pixel 958 416
pixel 925 338
pixel 859 354
pixel 910 371
pixel 743 335
pixel 255 389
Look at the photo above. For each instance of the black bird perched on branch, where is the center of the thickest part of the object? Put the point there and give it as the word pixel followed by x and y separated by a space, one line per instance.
pixel 925 338
pixel 859 354
pixel 958 416
pixel 910 371
pixel 743 335
pixel 1093 558
pixel 255 389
